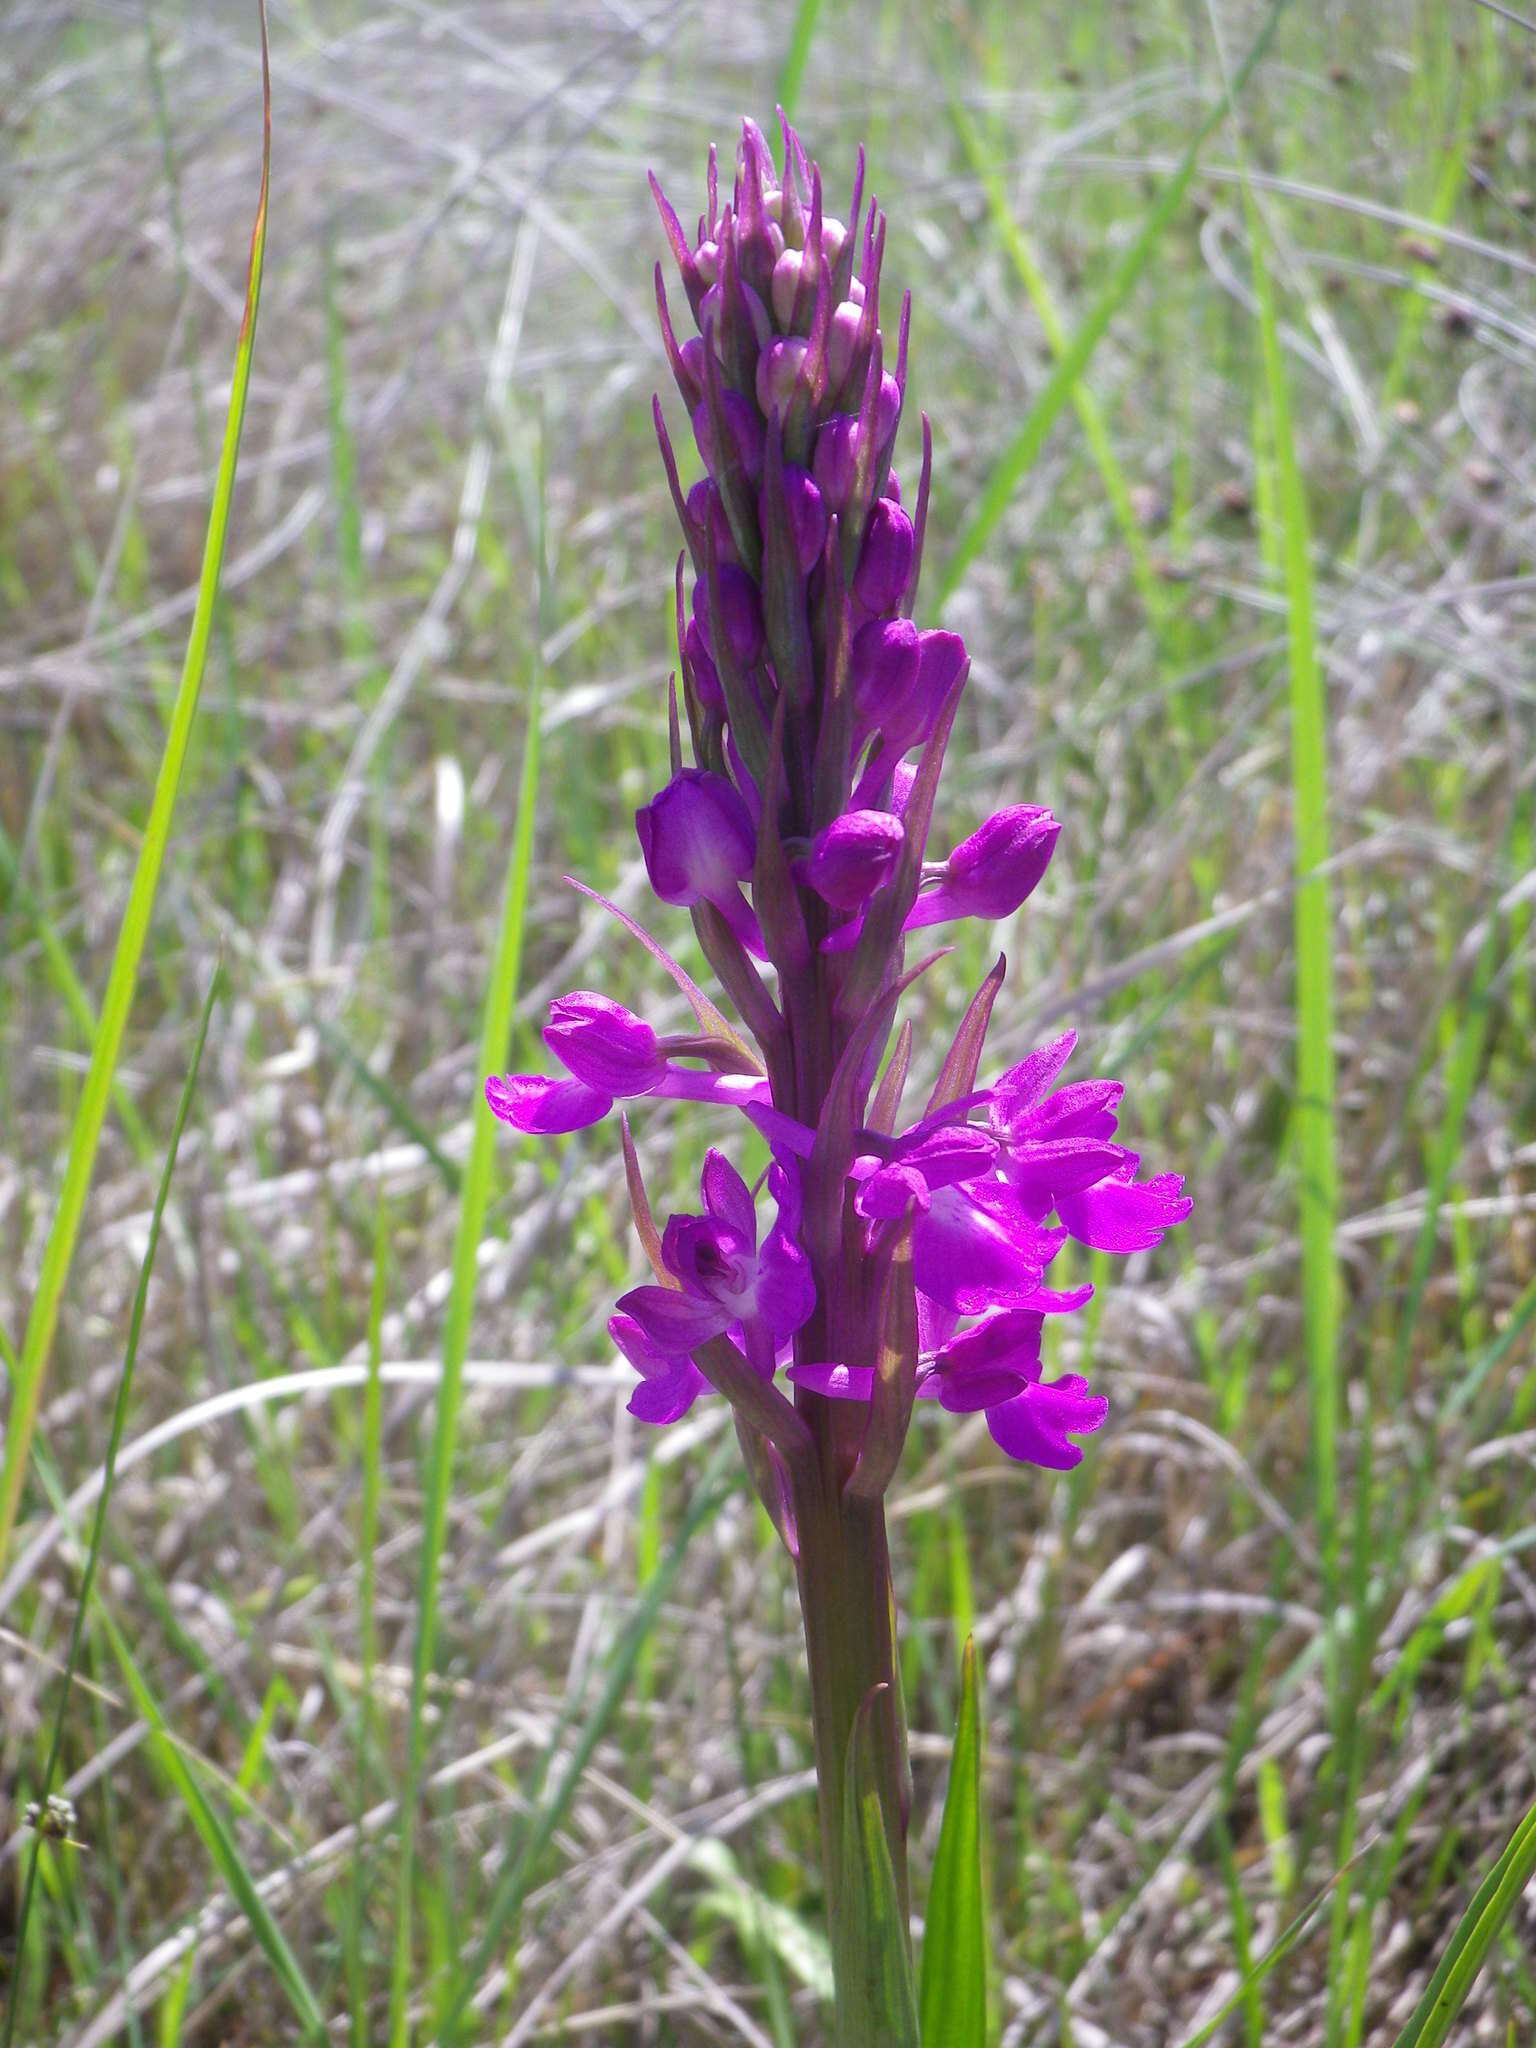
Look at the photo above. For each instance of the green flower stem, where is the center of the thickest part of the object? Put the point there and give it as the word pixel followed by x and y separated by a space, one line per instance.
pixel 845 1599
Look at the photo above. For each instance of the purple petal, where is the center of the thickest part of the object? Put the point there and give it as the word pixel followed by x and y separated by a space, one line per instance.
pixel 786 1287
pixel 1023 1086
pixel 538 1106
pixel 1126 1216
pixel 662 1401
pixel 674 1323
pixel 727 1197
pixel 668 1387
pixel 1041 1172
pixel 1082 1109
pixel 1058 1301
pixel 603 1044
pixel 888 1192
pixel 1034 1426
pixel 972 1254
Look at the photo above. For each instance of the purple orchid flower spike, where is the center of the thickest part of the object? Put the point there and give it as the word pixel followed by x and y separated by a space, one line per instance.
pixel 904 1263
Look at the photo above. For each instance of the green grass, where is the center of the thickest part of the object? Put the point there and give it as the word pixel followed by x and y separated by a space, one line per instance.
pixel 85 1133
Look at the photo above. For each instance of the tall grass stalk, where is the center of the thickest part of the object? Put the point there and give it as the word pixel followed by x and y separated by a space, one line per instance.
pixel 996 494
pixel 495 1039
pixel 37 1340
pixel 99 1522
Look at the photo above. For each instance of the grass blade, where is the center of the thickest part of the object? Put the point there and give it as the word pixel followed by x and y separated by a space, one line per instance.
pixel 495 1037
pixel 952 1994
pixel 798 54
pixel 37 1340
pixel 872 1961
pixel 500 1918
pixel 1089 416
pixel 98 1525
pixel 1446 1991
pixel 996 493
pixel 1313 1125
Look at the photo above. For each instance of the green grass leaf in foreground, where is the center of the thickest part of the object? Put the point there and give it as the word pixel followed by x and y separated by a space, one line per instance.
pixel 952 1996
pixel 98 1527
pixel 37 1340
pixel 1446 1992
pixel 876 2007
pixel 1313 1122
pixel 1029 436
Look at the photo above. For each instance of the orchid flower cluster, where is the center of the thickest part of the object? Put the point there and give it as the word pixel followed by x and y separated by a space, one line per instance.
pixel 798 837
pixel 902 1259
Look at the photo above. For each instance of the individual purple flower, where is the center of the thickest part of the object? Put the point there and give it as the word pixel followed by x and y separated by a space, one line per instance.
pixel 610 1054
pixel 727 1284
pixel 699 844
pixel 992 872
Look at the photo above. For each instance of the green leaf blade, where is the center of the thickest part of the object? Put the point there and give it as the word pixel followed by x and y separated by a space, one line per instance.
pixel 871 1956
pixel 952 2008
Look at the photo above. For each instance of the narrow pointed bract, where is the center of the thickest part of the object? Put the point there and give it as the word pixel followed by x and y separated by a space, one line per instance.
pixel 892 1264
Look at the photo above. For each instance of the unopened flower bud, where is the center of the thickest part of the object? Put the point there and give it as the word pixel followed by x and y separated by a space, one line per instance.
pixel 706 261
pixel 786 285
pixel 706 677
pixel 885 561
pixel 852 857
pixel 777 368
pixel 887 409
pixel 833 460
pixel 712 308
pixel 841 343
pixel 740 610
pixel 602 1043
pixel 883 668
pixel 706 508
pixel 744 427
pixel 696 837
pixel 807 515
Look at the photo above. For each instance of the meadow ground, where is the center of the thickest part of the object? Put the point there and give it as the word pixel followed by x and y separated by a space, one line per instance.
pixel 1281 1623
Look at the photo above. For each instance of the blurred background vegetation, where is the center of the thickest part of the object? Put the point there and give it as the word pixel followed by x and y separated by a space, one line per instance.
pixel 1253 592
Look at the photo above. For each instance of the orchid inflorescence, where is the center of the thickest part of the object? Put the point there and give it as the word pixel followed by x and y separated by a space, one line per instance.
pixel 818 716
